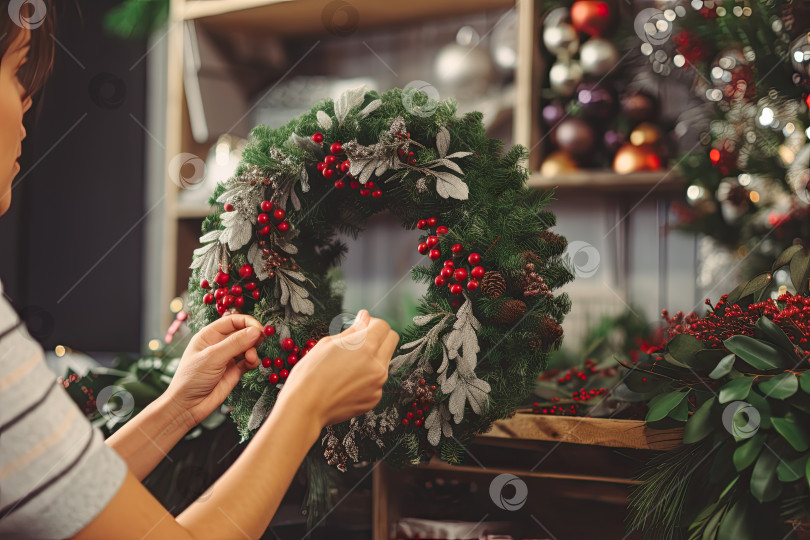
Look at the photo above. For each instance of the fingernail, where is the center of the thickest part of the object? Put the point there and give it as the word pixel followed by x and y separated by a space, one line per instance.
pixel 253 332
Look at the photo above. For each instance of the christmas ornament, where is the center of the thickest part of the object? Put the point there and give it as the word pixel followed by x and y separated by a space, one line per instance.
pixel 564 77
pixel 732 77
pixel 631 158
pixel 561 39
pixel 597 102
pixel 590 16
pixel 464 68
pixel 645 134
pixel 639 107
pixel 800 58
pixel 558 163
pixel 598 57
pixel 574 137
pixel 553 113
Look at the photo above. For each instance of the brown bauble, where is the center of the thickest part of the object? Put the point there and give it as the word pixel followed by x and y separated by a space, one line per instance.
pixel 590 16
pixel 630 159
pixel 574 137
pixel 639 107
pixel 558 163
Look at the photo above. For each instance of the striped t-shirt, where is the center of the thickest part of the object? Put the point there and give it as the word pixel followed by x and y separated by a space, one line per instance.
pixel 56 473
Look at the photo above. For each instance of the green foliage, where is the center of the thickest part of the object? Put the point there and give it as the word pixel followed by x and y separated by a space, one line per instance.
pixel 137 18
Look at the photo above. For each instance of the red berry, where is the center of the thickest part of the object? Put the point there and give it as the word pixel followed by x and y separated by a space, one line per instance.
pixel 418 422
pixel 263 219
pixel 410 414
pixel 229 207
pixel 269 330
pixel 439 281
pixel 477 272
pixel 287 344
pixel 340 184
pixel 472 284
pixel 365 192
pixel 221 309
pixel 421 224
pixel 377 193
pixel 283 226
pixel 279 214
pixel 329 160
pixel 278 362
pixel 292 359
pixel 317 137
pixel 228 300
pixel 456 248
pixel 449 263
pixel 266 362
pixel 370 184
pixel 431 221
pixel 265 230
pixel 328 173
pixel 256 294
pixel 460 274
pixel 455 288
pixel 267 206
pixel 273 378
pixel 474 258
pixel 432 240
pixel 321 166
pixel 250 286
pixel 441 229
pixel 239 302
pixel 219 294
pixel 208 298
pixel 283 373
pixel 335 148
pixel 422 248
pixel 405 421
pixel 446 272
pixel 311 343
pixel 245 271
pixel 354 184
pixel 204 284
pixel 435 254
pixel 222 278
pixel 295 349
pixel 236 290
pixel 344 167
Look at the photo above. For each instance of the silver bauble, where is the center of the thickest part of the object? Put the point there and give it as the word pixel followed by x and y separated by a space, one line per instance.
pixel 564 77
pixel 800 55
pixel 598 56
pixel 561 39
pixel 464 70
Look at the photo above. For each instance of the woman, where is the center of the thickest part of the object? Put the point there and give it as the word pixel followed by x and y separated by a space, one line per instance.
pixel 59 479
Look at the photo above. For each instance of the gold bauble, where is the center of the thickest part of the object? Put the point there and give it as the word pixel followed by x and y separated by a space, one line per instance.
pixel 630 159
pixel 558 163
pixel 645 134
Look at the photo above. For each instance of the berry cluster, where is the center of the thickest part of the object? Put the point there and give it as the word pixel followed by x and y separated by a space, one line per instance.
pixel 331 166
pixel 278 363
pixel 234 295
pixel 570 406
pixel 450 271
pixel 420 407
pixel 263 218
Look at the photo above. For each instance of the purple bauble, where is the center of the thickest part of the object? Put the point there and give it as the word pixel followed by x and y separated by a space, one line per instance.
pixel 553 113
pixel 598 102
pixel 575 137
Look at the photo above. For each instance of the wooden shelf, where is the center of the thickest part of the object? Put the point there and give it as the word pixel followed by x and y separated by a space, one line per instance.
pixel 302 17
pixel 580 181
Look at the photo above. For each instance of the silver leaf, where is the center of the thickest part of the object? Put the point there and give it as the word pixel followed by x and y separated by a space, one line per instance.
pixel 210 236
pixel 459 155
pixel 449 185
pixel 370 108
pixel 443 141
pixel 347 101
pixel 260 411
pixel 306 144
pixel 450 165
pixel 422 320
pixel 324 120
pixel 304 179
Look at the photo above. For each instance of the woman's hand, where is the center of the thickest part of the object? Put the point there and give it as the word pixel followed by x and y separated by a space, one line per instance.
pixel 343 375
pixel 209 368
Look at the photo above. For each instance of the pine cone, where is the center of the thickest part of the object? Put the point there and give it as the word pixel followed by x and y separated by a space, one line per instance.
pixel 319 332
pixel 555 240
pixel 511 311
pixel 492 284
pixel 550 331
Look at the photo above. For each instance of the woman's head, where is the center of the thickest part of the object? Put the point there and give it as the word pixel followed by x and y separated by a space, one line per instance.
pixel 26 58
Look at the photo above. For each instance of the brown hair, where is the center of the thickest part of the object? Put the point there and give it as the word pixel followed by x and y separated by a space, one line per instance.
pixel 37 15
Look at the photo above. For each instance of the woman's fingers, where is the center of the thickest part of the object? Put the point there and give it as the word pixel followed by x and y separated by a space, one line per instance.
pixel 236 344
pixel 224 327
pixel 389 345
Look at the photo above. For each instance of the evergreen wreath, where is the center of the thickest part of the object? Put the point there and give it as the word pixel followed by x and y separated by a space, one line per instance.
pixel 489 317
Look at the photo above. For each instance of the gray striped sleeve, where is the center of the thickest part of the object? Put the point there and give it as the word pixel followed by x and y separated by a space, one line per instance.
pixel 56 473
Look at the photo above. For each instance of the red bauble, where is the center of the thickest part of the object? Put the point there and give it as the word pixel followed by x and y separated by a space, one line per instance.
pixel 245 271
pixel 474 258
pixel 208 298
pixel 434 254
pixel 460 274
pixel 263 219
pixel 376 193
pixel 278 362
pixel 446 272
pixel 432 240
pixel 317 137
pixel 266 362
pixel 265 230
pixel 455 288
pixel 229 207
pixel 335 148
pixel 590 16
pixel 222 278
pixel 283 373
pixel 204 284
pixel 279 214
pixel 328 173
pixel 421 224
pixel 273 378
pixel 236 290
pixel 439 281
pixel 329 160
pixel 256 294
pixel 422 248
pixel 441 229
pixel 431 221
pixel 269 330
pixel 267 206
pixel 472 284
pixel 287 344
pixel 477 272
pixel 283 226
pixel 456 248
pixel 340 184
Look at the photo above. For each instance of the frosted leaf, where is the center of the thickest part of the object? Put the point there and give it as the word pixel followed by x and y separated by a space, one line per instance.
pixel 306 144
pixel 255 259
pixel 294 295
pixel 238 230
pixel 347 101
pixel 323 120
pixel 423 344
pixel 287 247
pixel 438 423
pixel 450 185
pixel 260 410
pixel 459 155
pixel 370 108
pixel 304 176
pixel 210 236
pixel 210 258
pixel 450 164
pixel 422 320
pixel 443 141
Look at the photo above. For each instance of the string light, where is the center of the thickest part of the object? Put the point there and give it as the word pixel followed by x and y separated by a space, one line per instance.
pixel 154 345
pixel 60 351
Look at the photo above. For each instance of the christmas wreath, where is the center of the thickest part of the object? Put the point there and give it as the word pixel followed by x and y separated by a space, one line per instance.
pixel 489 316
